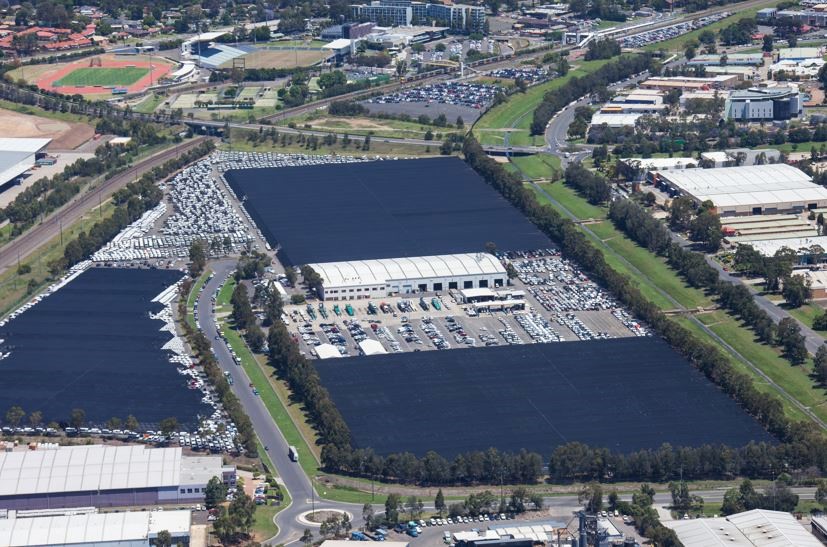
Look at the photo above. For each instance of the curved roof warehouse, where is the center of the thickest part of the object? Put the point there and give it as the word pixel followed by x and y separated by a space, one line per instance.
pixel 357 279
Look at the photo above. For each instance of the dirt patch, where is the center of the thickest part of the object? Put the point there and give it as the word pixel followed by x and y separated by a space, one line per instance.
pixel 64 135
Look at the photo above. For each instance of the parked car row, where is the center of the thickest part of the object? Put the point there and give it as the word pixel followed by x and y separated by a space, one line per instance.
pixel 672 31
pixel 456 93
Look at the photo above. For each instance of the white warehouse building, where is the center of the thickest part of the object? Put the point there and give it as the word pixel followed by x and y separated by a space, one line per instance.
pixel 88 528
pixel 747 190
pixel 364 279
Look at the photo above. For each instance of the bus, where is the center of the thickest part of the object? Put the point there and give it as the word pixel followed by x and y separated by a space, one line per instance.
pixel 293 454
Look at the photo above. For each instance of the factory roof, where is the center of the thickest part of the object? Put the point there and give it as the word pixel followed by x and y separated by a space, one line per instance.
pixel 799 53
pixel 615 120
pixel 747 185
pixel 23 145
pixel 817 279
pixel 200 469
pixel 768 247
pixel 653 164
pixel 756 528
pixel 380 271
pixel 85 468
pixel 87 528
pixel 762 93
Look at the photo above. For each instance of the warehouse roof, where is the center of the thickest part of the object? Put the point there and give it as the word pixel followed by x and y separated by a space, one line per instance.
pixel 381 271
pixel 747 185
pixel 89 528
pixel 799 53
pixel 17 156
pixel 23 145
pixel 614 120
pixel 756 528
pixel 768 247
pixel 85 468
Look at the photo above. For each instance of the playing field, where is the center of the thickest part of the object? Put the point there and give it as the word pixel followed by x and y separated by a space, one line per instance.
pixel 121 76
pixel 281 58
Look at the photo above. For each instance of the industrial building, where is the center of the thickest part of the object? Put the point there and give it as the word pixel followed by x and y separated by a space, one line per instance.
pixel 817 281
pixel 754 528
pixel 686 83
pixel 738 59
pixel 748 190
pixel 363 279
pixel 88 528
pixel 808 17
pixel 734 157
pixel 637 169
pixel 105 476
pixel 18 156
pixel 406 13
pixel 615 120
pixel 808 249
pixel 763 104
pixel 799 53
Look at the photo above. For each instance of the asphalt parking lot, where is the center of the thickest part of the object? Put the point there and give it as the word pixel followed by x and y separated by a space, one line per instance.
pixel 563 305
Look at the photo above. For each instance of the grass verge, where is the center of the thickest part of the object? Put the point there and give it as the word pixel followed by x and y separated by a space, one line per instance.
pixel 656 278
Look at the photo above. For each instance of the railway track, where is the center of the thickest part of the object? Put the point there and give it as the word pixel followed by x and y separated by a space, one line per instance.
pixel 24 245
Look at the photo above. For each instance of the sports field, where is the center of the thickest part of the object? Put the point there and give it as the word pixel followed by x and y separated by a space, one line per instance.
pixel 98 75
pixel 92 76
pixel 281 58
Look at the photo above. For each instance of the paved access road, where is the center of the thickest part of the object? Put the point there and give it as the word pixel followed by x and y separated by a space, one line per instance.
pixel 293 478
pixel 24 245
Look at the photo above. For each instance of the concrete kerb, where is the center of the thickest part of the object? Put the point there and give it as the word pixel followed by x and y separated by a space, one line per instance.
pixel 303 517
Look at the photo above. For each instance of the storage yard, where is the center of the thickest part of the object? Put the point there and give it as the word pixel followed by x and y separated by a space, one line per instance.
pixel 354 212
pixel 467 100
pixel 551 301
pixel 534 397
pixel 98 344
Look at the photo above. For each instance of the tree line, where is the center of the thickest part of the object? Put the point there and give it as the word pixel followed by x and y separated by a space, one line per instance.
pixel 556 100
pixel 801 446
pixel 651 233
pixel 202 349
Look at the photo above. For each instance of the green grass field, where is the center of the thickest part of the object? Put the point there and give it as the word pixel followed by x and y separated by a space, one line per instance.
pixel 91 76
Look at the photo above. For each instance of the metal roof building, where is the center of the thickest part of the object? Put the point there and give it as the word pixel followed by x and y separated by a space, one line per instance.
pixel 756 528
pixel 754 189
pixel 18 156
pixel 128 529
pixel 357 279
pixel 104 476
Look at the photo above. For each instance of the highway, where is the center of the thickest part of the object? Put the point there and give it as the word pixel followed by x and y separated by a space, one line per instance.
pixel 24 245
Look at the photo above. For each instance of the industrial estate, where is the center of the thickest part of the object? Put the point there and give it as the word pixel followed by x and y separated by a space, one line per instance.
pixel 478 275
